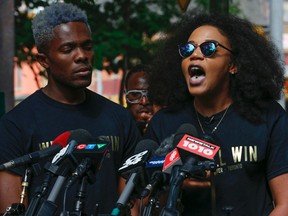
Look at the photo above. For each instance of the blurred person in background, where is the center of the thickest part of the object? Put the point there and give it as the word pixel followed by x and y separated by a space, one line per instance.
pixel 137 95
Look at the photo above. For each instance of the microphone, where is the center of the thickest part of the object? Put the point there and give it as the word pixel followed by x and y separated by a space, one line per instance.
pixel 67 159
pixel 172 165
pixel 67 140
pixel 166 160
pixel 75 136
pixel 170 209
pixel 91 156
pixel 158 178
pixel 173 158
pixel 169 143
pixel 193 164
pixel 183 149
pixel 143 151
pixel 165 146
pixel 145 144
pixel 81 146
pixel 57 145
pixel 133 170
pixel 64 162
pixel 201 150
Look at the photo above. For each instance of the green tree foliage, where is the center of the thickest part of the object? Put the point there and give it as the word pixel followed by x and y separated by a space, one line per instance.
pixel 233 5
pixel 119 27
pixel 122 27
pixel 24 42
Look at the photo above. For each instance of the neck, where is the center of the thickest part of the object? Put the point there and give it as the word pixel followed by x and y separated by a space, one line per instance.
pixel 65 96
pixel 208 108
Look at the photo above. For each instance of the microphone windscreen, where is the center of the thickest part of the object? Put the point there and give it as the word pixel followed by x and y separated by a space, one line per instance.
pixel 207 138
pixel 80 136
pixel 165 146
pixel 185 128
pixel 146 144
pixel 62 139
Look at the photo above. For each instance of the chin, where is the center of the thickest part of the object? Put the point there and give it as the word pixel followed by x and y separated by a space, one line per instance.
pixel 83 84
pixel 193 92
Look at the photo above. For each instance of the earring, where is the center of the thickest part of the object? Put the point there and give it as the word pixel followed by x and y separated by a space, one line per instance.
pixel 232 72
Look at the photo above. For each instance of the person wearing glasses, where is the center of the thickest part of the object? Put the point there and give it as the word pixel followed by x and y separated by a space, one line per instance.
pixel 219 74
pixel 136 94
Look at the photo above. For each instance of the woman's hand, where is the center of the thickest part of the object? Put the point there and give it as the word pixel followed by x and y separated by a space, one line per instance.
pixel 195 182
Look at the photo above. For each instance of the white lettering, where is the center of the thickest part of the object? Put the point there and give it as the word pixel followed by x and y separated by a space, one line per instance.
pixel 208 152
pixel 133 159
pixel 237 153
pixel 253 153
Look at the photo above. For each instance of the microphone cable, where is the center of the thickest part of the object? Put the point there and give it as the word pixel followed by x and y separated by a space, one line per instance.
pixel 140 206
pixel 82 172
pixel 64 213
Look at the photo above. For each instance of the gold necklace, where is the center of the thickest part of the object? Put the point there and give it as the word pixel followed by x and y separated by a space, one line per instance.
pixel 215 128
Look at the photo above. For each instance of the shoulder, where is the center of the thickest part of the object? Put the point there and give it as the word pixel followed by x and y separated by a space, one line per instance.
pixel 166 122
pixel 108 107
pixel 275 111
pixel 24 107
pixel 276 117
pixel 166 115
pixel 100 100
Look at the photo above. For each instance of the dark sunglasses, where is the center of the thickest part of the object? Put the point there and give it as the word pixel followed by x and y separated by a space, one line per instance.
pixel 208 48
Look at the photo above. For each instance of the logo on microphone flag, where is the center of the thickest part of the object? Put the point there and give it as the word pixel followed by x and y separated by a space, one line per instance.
pixel 91 146
pixel 197 146
pixel 172 158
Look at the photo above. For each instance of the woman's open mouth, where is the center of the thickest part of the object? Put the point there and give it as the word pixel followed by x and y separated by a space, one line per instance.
pixel 197 75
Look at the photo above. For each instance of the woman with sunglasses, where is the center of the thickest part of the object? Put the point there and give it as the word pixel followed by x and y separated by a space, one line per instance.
pixel 219 74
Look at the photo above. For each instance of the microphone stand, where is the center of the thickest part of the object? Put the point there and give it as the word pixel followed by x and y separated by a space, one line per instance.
pixel 19 208
pixel 121 204
pixel 175 187
pixel 152 203
pixel 85 171
pixel 81 195
pixel 40 192
pixel 49 207
pixel 188 169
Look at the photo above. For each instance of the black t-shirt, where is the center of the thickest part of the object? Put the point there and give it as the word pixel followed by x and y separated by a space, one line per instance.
pixel 250 155
pixel 38 120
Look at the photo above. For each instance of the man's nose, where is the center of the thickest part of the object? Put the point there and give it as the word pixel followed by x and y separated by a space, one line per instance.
pixel 144 100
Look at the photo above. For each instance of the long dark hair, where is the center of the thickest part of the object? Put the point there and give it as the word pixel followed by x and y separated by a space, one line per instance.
pixel 260 71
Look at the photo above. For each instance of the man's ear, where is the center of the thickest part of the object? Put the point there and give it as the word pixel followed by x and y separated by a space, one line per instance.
pixel 42 59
